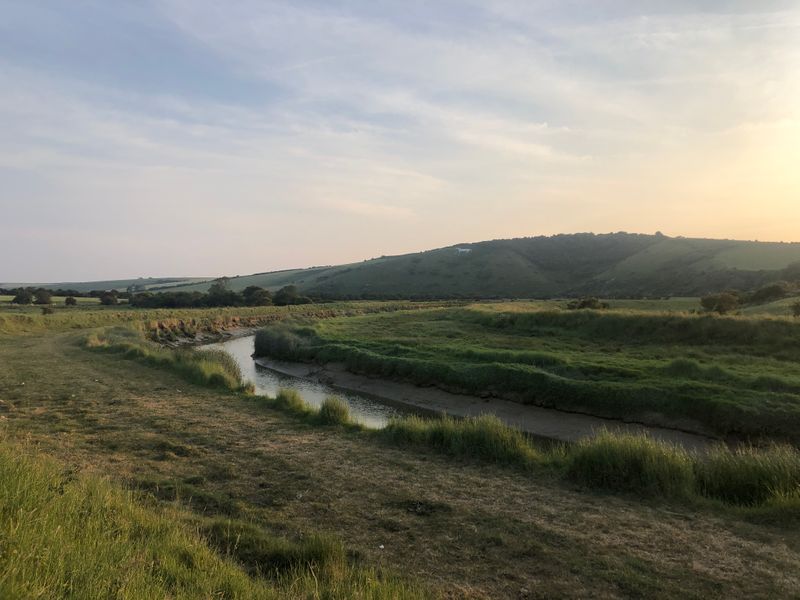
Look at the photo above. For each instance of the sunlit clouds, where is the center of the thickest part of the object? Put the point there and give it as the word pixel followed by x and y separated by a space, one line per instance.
pixel 184 137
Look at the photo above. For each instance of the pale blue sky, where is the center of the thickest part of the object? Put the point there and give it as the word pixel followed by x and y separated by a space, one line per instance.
pixel 195 137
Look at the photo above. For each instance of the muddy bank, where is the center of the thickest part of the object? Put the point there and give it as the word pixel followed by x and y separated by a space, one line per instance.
pixel 541 422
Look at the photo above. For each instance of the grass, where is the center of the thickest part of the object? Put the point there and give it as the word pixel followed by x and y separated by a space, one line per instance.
pixel 68 536
pixel 631 464
pixel 214 368
pixel 638 464
pixel 465 527
pixel 484 437
pixel 725 376
pixel 169 324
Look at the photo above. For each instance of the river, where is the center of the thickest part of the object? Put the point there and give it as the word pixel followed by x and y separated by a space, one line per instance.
pixel 366 409
pixel 374 401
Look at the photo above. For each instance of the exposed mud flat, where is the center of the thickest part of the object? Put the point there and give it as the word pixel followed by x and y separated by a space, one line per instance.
pixel 541 422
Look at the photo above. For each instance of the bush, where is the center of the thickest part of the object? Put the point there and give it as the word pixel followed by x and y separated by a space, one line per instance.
pixel 23 297
pixel 70 301
pixel 279 342
pixel 720 303
pixel 796 309
pixel 43 296
pixel 334 411
pixel 108 299
pixel 629 463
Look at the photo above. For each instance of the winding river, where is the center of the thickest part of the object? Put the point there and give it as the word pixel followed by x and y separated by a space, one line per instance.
pixel 374 401
pixel 366 409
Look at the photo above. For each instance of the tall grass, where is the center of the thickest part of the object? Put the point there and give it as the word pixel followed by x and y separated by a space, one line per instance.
pixel 63 536
pixel 767 478
pixel 631 463
pixel 334 411
pixel 84 538
pixel 214 368
pixel 484 437
pixel 749 476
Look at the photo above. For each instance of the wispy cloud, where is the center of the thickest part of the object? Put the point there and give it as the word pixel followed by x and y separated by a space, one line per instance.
pixel 261 123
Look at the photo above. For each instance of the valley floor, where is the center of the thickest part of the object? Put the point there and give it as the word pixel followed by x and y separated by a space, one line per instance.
pixel 463 529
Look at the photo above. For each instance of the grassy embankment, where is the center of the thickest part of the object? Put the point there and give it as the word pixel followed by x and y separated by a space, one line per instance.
pixel 170 324
pixel 461 525
pixel 767 479
pixel 729 376
pixel 67 536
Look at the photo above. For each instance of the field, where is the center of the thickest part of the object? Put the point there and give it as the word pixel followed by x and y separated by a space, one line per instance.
pixel 735 377
pixel 240 489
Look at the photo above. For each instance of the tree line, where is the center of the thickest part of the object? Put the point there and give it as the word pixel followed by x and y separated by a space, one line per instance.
pixel 219 295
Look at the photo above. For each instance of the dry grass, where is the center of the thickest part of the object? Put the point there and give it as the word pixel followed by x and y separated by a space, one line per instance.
pixel 465 528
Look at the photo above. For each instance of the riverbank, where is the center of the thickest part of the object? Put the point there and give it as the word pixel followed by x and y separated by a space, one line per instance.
pixel 541 422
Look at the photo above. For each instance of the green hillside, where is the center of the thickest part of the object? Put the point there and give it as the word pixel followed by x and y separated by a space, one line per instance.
pixel 610 265
pixel 145 283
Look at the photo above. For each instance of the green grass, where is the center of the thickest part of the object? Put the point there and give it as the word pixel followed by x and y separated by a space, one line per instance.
pixel 170 324
pixel 484 437
pixel 729 376
pixel 214 368
pixel 68 536
pixel 764 478
pixel 633 464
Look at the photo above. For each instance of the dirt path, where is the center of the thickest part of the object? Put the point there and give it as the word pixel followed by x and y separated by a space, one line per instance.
pixel 542 422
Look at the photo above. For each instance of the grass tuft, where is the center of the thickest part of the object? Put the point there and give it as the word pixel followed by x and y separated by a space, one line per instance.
pixel 485 437
pixel 334 411
pixel 750 476
pixel 631 463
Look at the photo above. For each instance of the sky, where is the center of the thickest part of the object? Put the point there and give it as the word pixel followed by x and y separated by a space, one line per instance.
pixel 206 138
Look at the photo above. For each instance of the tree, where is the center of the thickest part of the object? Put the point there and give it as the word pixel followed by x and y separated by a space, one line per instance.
pixel 108 299
pixel 720 303
pixel 70 301
pixel 23 297
pixel 256 296
pixel 43 296
pixel 796 309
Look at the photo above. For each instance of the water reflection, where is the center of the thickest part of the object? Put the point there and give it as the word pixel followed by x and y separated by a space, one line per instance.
pixel 365 409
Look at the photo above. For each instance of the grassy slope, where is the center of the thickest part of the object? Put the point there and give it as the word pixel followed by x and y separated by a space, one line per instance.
pixel 730 376
pixel 615 265
pixel 66 535
pixel 112 284
pixel 468 528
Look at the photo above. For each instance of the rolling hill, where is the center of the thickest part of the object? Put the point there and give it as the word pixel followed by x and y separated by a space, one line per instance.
pixel 609 265
pixel 142 283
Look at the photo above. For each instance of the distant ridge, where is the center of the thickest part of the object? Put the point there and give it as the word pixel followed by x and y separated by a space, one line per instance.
pixel 609 265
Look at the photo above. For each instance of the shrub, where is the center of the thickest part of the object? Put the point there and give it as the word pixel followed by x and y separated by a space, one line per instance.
pixel 43 296
pixel 334 411
pixel 22 297
pixel 796 309
pixel 720 303
pixel 108 299
pixel 277 341
pixel 631 463
pixel 70 301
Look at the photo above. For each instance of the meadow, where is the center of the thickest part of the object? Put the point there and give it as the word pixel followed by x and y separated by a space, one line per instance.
pixel 214 492
pixel 732 377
